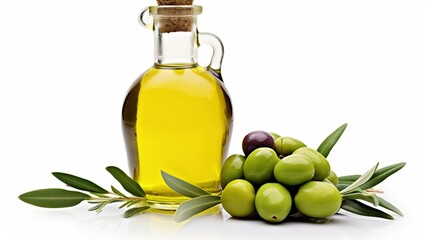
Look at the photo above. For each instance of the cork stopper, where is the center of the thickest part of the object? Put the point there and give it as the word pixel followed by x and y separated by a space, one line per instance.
pixel 175 2
pixel 179 20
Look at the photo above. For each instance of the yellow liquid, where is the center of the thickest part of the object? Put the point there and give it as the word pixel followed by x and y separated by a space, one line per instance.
pixel 178 120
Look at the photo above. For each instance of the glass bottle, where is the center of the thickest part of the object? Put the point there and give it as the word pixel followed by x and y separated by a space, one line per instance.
pixel 177 116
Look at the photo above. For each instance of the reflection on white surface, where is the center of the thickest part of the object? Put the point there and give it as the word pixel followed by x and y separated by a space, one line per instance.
pixel 215 224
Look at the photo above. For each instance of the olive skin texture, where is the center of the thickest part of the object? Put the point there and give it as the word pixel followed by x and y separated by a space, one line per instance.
pixel 321 165
pixel 333 178
pixel 232 169
pixel 257 139
pixel 238 198
pixel 273 202
pixel 285 146
pixel 318 199
pixel 294 170
pixel 275 136
pixel 259 165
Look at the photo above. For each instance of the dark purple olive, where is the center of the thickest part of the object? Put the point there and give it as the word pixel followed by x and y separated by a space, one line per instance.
pixel 257 139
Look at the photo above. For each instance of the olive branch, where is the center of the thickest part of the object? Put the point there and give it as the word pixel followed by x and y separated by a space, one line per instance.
pixel 61 198
pixel 356 190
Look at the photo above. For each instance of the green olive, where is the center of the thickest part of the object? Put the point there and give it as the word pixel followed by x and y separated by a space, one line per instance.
pixel 232 169
pixel 318 199
pixel 274 135
pixel 321 165
pixel 294 170
pixel 285 146
pixel 333 178
pixel 238 198
pixel 273 202
pixel 259 165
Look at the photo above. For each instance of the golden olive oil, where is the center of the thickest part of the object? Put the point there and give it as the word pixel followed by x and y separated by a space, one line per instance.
pixel 177 120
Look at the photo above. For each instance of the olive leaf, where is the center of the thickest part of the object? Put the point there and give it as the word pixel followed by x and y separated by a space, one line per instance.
pixel 359 208
pixel 371 198
pixel 53 198
pixel 118 192
pixel 360 181
pixel 381 175
pixel 352 187
pixel 348 179
pixel 130 203
pixel 79 183
pixel 100 195
pixel 396 166
pixel 194 206
pixel 182 187
pixel 341 186
pixel 327 145
pixel 389 206
pixel 133 203
pixel 125 204
pixel 127 183
pixel 133 211
pixel 99 207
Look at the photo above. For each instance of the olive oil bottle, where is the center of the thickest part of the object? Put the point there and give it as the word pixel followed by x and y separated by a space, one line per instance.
pixel 177 116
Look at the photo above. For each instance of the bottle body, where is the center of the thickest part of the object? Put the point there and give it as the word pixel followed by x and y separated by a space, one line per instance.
pixel 178 120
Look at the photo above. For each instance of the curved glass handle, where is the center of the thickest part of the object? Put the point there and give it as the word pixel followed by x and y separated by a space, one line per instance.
pixel 142 16
pixel 216 61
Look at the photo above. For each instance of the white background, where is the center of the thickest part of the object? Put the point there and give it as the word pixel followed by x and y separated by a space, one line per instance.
pixel 299 68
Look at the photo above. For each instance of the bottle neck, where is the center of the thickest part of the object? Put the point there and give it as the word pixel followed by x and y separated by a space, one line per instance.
pixel 175 47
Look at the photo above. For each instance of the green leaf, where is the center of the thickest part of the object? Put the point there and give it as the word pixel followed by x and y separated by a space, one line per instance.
pixel 360 181
pixel 133 203
pixel 346 182
pixel 194 206
pixel 118 192
pixel 100 195
pixel 397 166
pixel 127 183
pixel 130 203
pixel 327 145
pixel 382 174
pixel 359 208
pixel 371 198
pixel 348 178
pixel 133 211
pixel 125 204
pixel 79 183
pixel 53 198
pixel 389 206
pixel 96 207
pixel 341 186
pixel 182 187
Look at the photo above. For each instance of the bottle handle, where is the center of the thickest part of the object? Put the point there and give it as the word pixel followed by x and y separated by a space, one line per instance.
pixel 142 16
pixel 216 62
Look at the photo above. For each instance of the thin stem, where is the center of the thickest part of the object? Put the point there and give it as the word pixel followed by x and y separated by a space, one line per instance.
pixel 102 202
pixel 371 190
pixel 122 199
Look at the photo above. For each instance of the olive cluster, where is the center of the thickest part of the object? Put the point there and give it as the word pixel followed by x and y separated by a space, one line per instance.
pixel 277 177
